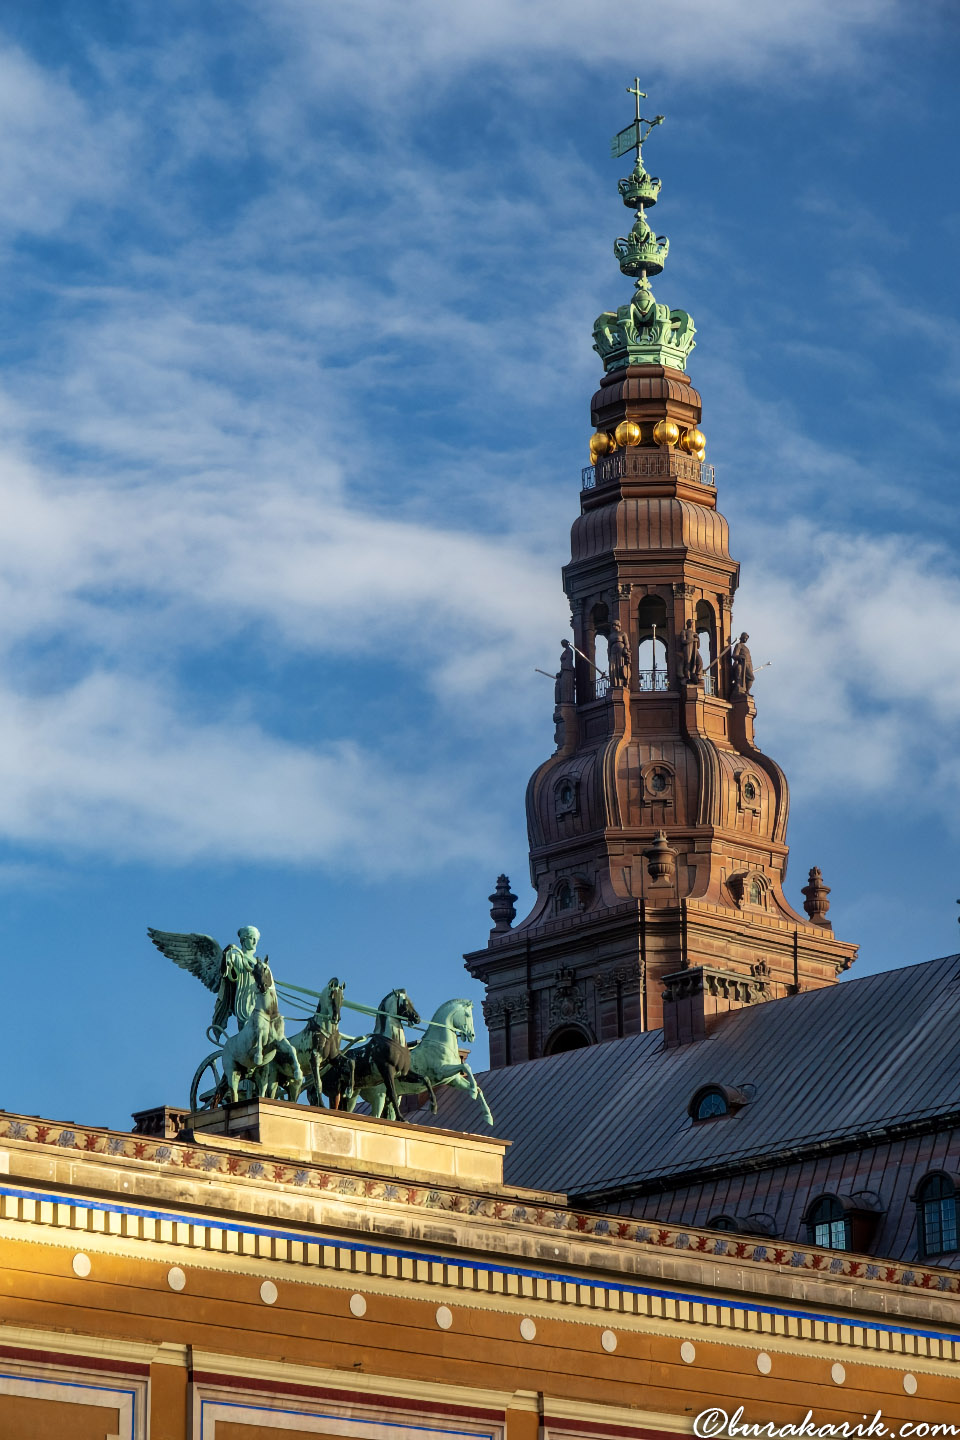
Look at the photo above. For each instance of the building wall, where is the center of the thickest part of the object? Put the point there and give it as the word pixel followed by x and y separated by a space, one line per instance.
pixel 212 1292
pixel 890 1171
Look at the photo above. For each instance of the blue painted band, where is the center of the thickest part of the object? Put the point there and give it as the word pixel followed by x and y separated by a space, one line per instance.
pixel 303 1238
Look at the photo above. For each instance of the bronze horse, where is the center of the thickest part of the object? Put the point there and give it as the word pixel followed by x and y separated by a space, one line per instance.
pixel 382 1059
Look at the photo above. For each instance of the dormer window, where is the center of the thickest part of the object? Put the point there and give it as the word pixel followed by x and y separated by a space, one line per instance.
pixel 711 1104
pixel 828 1224
pixel 564 896
pixel 936 1199
pixel 722 1222
pixel 712 1101
pixel 756 892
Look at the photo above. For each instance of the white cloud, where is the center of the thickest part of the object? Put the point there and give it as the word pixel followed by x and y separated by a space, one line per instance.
pixel 200 448
pixel 110 766
pixel 393 45
pixel 864 687
pixel 54 152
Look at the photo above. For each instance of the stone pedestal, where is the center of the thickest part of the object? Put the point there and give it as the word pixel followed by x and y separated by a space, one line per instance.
pixel 333 1136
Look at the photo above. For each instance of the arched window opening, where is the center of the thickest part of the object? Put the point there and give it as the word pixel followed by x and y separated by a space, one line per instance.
pixel 722 1222
pixel 706 624
pixel 565 896
pixel 756 892
pixel 652 672
pixel 566 797
pixel 828 1224
pixel 570 1037
pixel 600 626
pixel 601 674
pixel 711 1104
pixel 937 1214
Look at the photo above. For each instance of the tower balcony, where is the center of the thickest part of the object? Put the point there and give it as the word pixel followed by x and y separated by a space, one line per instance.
pixel 646 465
pixel 651 682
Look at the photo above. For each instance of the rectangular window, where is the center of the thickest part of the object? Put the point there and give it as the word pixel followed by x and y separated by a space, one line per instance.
pixel 940 1225
pixel 832 1235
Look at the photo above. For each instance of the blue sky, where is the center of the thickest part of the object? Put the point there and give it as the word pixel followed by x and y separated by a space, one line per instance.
pixel 295 372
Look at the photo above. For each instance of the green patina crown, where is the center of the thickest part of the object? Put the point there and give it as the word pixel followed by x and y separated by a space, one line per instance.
pixel 639 188
pixel 642 332
pixel 641 250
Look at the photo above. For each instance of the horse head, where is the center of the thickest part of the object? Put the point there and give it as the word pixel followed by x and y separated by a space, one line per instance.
pixel 462 1021
pixel 405 1010
pixel 262 976
pixel 330 1004
pixel 395 1006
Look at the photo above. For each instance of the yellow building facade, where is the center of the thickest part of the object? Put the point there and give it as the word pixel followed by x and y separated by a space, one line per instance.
pixel 286 1273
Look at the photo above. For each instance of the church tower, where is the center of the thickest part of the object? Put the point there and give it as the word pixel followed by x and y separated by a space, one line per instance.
pixel 657 829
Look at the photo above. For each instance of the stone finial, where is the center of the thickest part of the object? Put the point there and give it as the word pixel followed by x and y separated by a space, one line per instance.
pixel 815 900
pixel 661 860
pixel 503 909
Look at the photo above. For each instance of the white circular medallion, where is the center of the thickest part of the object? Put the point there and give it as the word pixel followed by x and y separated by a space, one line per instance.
pixel 268 1292
pixel 687 1353
pixel 609 1341
pixel 444 1317
pixel 176 1279
pixel 528 1329
pixel 358 1306
pixel 81 1265
pixel 910 1384
pixel 838 1374
pixel 764 1363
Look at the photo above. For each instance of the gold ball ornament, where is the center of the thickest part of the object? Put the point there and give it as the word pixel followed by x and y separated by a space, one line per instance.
pixel 628 432
pixel 665 432
pixel 693 440
pixel 701 454
pixel 600 444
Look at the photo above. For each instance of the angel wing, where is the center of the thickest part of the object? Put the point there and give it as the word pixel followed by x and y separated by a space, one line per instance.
pixel 199 954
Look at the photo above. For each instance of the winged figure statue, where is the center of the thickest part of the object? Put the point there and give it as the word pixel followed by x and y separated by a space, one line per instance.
pixel 244 988
pixel 228 971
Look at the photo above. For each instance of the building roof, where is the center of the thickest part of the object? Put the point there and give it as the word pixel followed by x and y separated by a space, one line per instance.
pixel 857 1059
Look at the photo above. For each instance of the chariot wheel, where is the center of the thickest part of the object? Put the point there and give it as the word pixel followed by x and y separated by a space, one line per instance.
pixel 207 1089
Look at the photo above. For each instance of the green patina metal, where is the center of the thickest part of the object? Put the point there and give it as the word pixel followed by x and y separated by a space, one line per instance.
pixel 642 332
pixel 259 1059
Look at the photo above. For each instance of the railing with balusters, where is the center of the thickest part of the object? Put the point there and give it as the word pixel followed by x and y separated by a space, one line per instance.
pixel 650 682
pixel 640 465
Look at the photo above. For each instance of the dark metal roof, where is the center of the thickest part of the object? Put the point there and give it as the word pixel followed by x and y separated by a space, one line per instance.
pixel 822 1067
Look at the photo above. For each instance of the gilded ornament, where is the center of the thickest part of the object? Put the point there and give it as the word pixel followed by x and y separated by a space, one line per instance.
pixel 628 432
pixel 666 432
pixel 601 444
pixel 693 440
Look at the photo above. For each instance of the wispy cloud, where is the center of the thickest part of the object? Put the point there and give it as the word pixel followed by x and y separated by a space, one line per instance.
pixel 298 380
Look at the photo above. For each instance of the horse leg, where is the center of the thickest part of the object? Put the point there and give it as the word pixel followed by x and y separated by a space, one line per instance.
pixel 376 1098
pixel 413 1078
pixel 388 1074
pixel 468 1074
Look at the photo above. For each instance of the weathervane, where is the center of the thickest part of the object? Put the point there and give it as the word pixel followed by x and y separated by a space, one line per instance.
pixel 631 138
pixel 642 332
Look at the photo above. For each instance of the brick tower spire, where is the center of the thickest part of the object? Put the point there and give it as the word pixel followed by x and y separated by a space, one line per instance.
pixel 657 829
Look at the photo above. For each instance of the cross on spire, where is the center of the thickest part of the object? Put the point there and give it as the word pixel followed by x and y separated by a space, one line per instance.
pixel 634 89
pixel 633 137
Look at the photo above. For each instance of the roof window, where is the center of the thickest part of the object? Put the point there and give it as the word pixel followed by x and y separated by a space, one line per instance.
pixel 936 1200
pixel 712 1101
